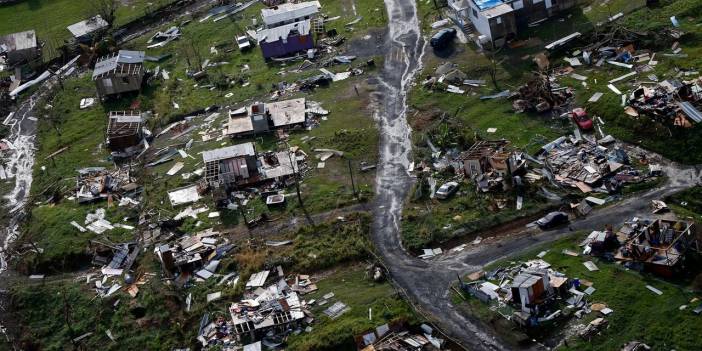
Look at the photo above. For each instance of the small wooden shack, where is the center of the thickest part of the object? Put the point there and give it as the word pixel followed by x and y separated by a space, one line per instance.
pixel 121 72
pixel 124 129
pixel 20 48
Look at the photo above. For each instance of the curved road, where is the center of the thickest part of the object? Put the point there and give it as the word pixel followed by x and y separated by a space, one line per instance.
pixel 426 283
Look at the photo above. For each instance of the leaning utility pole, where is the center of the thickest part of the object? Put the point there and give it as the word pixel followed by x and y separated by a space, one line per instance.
pixel 297 186
pixel 353 184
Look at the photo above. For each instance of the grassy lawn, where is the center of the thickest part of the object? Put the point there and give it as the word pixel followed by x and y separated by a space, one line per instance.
pixel 429 222
pixel 351 286
pixel 638 313
pixel 51 17
pixel 687 203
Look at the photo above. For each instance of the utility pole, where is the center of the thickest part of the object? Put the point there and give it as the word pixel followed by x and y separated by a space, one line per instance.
pixel 353 184
pixel 297 186
pixel 67 319
pixel 246 221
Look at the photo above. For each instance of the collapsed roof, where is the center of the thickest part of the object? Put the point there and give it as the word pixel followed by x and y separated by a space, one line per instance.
pixel 87 26
pixel 18 41
pixel 123 62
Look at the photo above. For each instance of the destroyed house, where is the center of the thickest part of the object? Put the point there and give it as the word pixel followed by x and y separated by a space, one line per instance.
pixel 530 288
pixel 83 31
pixel 486 156
pixel 96 183
pixel 288 13
pixel 119 73
pixel 124 129
pixel 246 121
pixel 261 118
pixel 499 20
pixel 231 166
pixel 19 48
pixel 273 311
pixel 658 246
pixel 584 164
pixel 287 113
pixel 285 40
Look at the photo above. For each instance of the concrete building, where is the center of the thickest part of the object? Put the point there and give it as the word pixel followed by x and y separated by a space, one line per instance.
pixel 264 117
pixel 285 40
pixel 247 121
pixel 119 73
pixel 20 48
pixel 499 20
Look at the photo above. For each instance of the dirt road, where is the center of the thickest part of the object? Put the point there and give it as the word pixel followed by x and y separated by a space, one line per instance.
pixel 426 283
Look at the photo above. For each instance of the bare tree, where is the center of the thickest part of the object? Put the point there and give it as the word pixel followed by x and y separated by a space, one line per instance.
pixel 192 53
pixel 495 62
pixel 106 9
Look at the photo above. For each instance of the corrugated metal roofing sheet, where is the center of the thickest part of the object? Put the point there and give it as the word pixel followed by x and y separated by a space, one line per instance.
pixel 289 12
pixel 20 40
pixel 245 149
pixel 87 26
pixel 691 111
pixel 279 33
pixel 110 63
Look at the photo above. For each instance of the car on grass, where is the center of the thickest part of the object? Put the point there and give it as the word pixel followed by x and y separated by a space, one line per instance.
pixel 581 119
pixel 447 190
pixel 442 38
pixel 552 219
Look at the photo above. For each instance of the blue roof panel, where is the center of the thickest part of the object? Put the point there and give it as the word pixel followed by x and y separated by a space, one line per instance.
pixel 487 4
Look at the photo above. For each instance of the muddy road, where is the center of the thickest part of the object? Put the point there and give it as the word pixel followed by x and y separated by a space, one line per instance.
pixel 426 283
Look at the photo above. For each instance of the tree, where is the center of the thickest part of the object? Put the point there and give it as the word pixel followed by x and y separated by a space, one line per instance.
pixel 105 9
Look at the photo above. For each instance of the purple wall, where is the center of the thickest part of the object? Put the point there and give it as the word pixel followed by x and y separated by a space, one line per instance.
pixel 295 43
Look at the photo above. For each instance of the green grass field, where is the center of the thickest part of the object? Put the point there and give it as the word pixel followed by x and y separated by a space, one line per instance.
pixel 351 286
pixel 51 17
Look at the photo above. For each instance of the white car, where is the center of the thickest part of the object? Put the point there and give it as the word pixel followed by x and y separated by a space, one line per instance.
pixel 446 190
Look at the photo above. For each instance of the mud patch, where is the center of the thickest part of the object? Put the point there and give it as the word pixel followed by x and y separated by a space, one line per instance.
pixel 371 44
pixel 422 120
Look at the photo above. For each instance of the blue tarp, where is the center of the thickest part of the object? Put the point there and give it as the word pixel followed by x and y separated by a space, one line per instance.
pixel 486 4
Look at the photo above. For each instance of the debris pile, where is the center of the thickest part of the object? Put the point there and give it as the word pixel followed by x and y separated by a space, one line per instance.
pixel 268 313
pixel 540 94
pixel 449 77
pixel 99 183
pixel 395 336
pixel 192 256
pixel 659 246
pixel 161 39
pixel 587 165
pixel 532 293
pixel 669 102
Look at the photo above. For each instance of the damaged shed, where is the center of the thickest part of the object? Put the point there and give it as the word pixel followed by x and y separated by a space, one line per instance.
pixel 124 129
pixel 83 30
pixel 121 72
pixel 19 48
pixel 231 165
pixel 659 246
